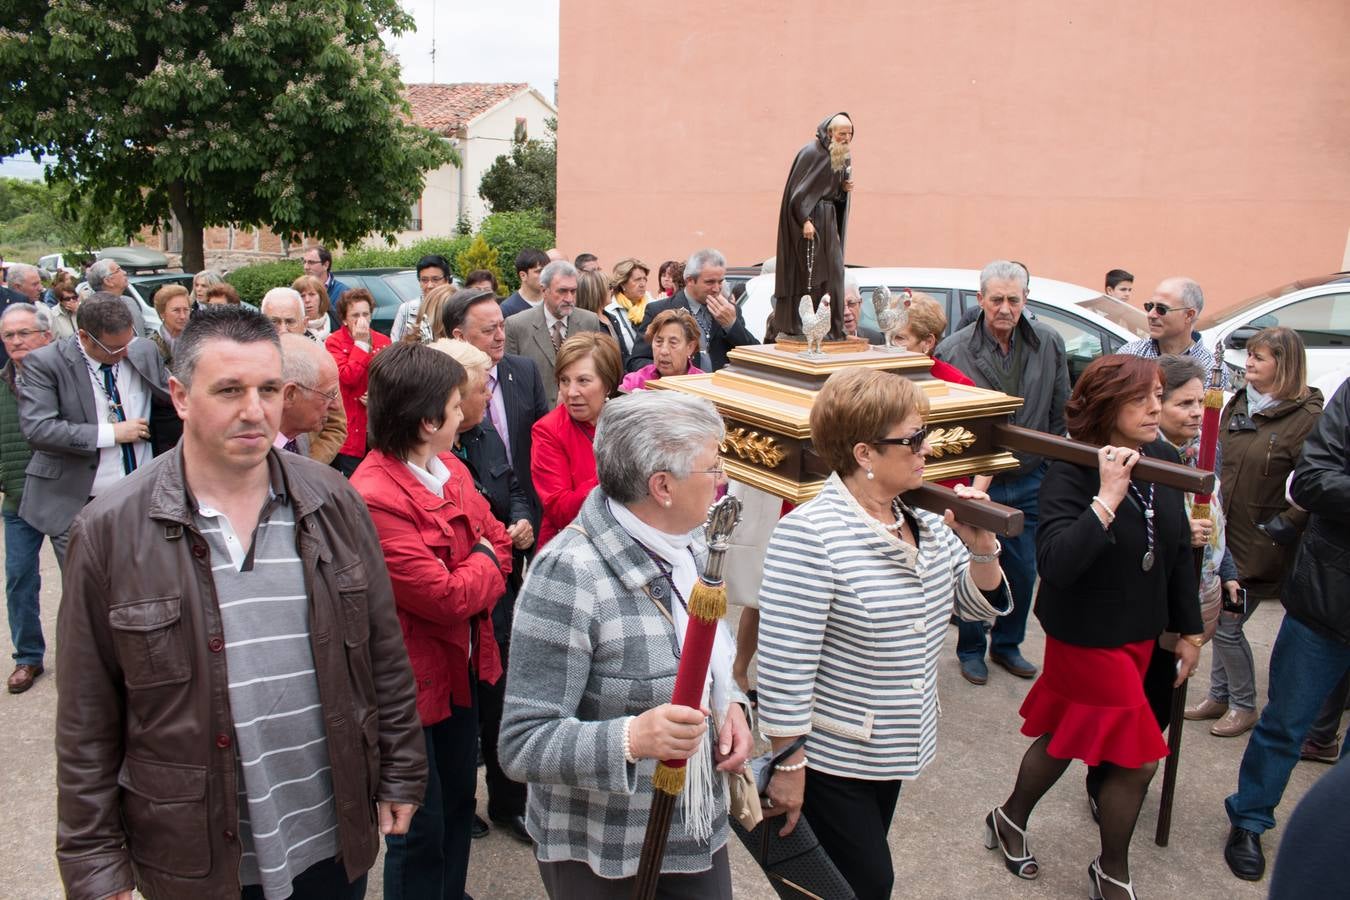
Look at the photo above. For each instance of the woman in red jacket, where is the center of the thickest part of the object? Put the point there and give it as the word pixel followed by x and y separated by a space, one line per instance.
pixel 562 463
pixel 353 346
pixel 448 559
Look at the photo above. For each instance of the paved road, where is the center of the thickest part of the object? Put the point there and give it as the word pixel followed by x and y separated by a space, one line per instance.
pixel 935 840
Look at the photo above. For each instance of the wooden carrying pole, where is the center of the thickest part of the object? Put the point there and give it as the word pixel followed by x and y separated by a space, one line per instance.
pixel 1173 475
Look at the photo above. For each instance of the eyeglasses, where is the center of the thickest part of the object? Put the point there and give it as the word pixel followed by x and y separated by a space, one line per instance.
pixel 431 279
pixel 106 349
pixel 22 334
pixel 718 470
pixel 328 396
pixel 911 441
pixel 1162 309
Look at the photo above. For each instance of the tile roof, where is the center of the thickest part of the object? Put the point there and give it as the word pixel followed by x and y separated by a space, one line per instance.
pixel 445 108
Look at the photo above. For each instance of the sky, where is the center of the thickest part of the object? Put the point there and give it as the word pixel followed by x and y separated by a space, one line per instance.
pixel 503 40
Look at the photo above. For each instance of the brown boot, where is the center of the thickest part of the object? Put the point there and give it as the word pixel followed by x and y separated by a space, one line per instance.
pixel 1208 708
pixel 23 677
pixel 1235 722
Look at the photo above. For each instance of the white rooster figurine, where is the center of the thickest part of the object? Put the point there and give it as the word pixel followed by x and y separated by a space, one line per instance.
pixel 815 324
pixel 891 316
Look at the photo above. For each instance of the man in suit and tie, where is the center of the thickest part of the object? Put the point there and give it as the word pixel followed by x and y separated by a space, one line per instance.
pixel 538 333
pixel 310 393
pixel 86 409
pixel 719 318
pixel 518 399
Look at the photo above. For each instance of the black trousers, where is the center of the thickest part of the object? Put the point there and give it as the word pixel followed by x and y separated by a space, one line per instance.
pixel 325 880
pixel 851 817
pixel 431 861
pixel 506 798
pixel 573 880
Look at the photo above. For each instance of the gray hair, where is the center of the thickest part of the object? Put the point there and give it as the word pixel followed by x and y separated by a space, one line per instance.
pixel 40 315
pixel 298 365
pixel 22 272
pixel 1004 270
pixel 851 284
pixel 1179 370
pixel 277 294
pixel 218 322
pixel 1191 295
pixel 701 259
pixel 98 273
pixel 103 314
pixel 210 276
pixel 554 269
pixel 646 432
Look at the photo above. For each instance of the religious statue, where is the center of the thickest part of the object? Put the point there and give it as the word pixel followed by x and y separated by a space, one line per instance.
pixel 811 225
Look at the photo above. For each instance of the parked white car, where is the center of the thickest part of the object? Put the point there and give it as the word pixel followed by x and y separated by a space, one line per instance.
pixel 1091 323
pixel 1317 308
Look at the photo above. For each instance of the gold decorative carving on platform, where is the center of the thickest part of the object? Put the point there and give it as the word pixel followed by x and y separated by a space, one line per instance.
pixel 753 447
pixel 953 441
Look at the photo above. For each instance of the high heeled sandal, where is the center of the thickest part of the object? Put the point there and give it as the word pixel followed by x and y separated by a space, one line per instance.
pixel 993 840
pixel 1096 876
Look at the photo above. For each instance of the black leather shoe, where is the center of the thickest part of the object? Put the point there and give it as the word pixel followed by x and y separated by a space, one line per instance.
pixel 515 825
pixel 479 828
pixel 1243 854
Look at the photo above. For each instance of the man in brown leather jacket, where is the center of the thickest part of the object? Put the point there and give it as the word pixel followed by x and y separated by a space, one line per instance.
pixel 236 712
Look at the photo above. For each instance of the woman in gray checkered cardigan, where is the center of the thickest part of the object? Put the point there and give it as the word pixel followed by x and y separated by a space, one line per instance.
pixel 595 647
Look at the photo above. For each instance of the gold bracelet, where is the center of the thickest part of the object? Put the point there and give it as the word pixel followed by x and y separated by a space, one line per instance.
pixel 1195 640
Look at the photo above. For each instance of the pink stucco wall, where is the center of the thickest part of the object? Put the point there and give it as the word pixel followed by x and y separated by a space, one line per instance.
pixel 1204 139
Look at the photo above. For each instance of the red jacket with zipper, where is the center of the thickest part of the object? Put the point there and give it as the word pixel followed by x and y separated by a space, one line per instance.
pixel 444 589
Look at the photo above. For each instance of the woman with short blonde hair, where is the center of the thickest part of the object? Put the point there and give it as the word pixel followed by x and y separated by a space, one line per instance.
pixel 173 305
pixel 314 296
pixel 923 331
pixel 427 325
pixel 858 590
pixel 628 300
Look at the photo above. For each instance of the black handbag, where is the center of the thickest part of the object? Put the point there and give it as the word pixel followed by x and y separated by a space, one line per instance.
pixel 797 866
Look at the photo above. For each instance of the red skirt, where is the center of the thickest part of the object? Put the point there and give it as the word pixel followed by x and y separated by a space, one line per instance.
pixel 1091 702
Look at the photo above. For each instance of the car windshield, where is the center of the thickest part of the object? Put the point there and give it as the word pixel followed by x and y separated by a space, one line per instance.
pixel 404 284
pixel 1209 320
pixel 1123 314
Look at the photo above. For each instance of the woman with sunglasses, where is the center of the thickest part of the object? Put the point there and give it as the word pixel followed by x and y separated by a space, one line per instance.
pixel 1261 435
pixel 857 593
pixel 1116 568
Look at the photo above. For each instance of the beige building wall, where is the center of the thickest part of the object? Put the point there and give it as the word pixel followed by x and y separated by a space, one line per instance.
pixel 1206 139
pixel 487 137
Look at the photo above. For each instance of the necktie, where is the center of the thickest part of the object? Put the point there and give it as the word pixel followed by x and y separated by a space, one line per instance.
pixel 557 332
pixel 116 410
pixel 497 413
pixel 292 446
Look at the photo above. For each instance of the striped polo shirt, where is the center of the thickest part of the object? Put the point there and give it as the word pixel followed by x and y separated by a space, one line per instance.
pixel 287 819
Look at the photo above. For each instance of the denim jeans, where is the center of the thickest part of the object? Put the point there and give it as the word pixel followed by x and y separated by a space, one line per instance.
pixel 23 587
pixel 1019 564
pixel 1304 668
pixel 1232 677
pixel 1326 730
pixel 431 861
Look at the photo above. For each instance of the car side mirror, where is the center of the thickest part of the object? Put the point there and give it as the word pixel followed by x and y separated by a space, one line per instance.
pixel 1239 338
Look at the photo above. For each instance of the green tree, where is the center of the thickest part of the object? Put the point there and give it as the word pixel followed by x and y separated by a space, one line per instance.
pixel 479 255
pixel 39 218
pixel 278 113
pixel 510 232
pixel 526 178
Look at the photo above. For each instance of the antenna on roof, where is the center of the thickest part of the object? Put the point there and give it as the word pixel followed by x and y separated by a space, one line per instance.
pixel 433 43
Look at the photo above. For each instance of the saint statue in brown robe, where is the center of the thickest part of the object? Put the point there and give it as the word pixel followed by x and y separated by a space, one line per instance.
pixel 811 224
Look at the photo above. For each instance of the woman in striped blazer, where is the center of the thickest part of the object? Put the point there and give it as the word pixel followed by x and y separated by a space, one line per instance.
pixel 858 590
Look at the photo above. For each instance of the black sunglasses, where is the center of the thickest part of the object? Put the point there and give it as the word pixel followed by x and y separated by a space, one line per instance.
pixel 1161 308
pixel 913 441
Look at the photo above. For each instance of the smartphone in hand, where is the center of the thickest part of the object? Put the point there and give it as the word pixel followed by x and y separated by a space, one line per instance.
pixel 1238 605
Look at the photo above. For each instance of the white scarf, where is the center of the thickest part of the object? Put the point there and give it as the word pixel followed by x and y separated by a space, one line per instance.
pixel 1257 401
pixel 676 551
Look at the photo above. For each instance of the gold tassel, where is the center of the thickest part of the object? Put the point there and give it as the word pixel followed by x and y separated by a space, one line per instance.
pixel 1200 511
pixel 1213 399
pixel 668 780
pixel 708 604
